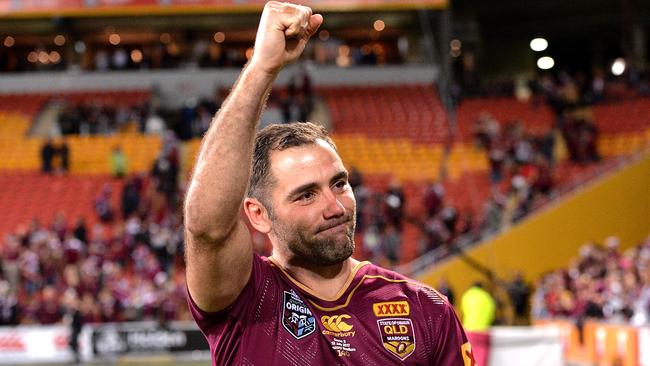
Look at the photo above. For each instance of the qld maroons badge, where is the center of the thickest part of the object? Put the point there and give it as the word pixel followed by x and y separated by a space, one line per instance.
pixel 397 336
pixel 297 319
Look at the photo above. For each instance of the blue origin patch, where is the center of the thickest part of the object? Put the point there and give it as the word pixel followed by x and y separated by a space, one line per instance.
pixel 297 319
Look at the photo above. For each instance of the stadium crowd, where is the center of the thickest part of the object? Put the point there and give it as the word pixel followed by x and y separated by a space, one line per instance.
pixel 603 283
pixel 106 116
pixel 127 266
pixel 93 117
pixel 175 52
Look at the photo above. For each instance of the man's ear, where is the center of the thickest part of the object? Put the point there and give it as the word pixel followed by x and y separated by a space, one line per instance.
pixel 257 214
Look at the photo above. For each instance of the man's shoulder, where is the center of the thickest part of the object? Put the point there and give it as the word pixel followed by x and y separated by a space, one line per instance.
pixel 411 288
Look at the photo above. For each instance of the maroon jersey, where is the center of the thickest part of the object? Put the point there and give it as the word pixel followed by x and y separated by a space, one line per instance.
pixel 378 318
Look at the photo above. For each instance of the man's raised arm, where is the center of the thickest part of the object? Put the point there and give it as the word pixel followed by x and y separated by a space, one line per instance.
pixel 218 244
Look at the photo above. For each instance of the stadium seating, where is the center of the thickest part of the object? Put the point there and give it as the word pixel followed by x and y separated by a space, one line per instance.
pixel 628 116
pixel 405 111
pixel 536 118
pixel 88 154
pixel 385 132
pixel 402 131
pixel 29 195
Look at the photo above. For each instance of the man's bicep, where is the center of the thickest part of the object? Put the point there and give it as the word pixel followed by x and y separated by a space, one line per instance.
pixel 217 273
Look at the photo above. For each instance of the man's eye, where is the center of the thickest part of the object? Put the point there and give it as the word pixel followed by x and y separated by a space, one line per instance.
pixel 306 196
pixel 341 184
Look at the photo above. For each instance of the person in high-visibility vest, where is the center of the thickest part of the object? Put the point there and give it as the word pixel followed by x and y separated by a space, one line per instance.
pixel 478 308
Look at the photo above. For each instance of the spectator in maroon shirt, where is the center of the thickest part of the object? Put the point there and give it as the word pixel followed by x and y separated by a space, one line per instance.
pixel 433 198
pixel 49 310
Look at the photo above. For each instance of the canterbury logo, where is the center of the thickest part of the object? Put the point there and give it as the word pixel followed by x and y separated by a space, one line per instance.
pixel 392 308
pixel 336 323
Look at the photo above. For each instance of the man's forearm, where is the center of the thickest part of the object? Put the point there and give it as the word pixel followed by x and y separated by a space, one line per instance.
pixel 223 166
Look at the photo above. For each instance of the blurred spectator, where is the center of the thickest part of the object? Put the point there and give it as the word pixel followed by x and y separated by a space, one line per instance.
pixel 49 309
pixel 394 203
pixel 130 197
pixel 478 308
pixel 154 125
pixel 433 198
pixel 435 234
pixel 519 293
pixel 74 320
pixel 486 130
pixel 63 151
pixel 165 173
pixel 8 304
pixel 361 195
pixel 443 288
pixel 371 243
pixel 497 160
pixel 298 104
pixel 120 59
pixel 118 162
pixel 104 205
pixel 48 151
pixel 80 231
pixel 449 217
pixel 101 60
pixel 391 242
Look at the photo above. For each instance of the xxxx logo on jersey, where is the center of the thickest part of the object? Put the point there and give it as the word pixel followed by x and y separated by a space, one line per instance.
pixel 391 308
pixel 397 336
pixel 337 326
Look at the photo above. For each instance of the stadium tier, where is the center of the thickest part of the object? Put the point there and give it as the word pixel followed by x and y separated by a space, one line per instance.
pixel 28 195
pixel 412 151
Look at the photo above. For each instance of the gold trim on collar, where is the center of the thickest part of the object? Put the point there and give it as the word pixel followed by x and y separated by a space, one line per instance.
pixel 311 292
pixel 347 301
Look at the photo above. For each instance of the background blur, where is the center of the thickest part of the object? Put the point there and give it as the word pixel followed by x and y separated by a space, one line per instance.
pixel 499 151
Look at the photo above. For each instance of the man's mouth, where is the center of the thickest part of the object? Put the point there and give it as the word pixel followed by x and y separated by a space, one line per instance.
pixel 334 224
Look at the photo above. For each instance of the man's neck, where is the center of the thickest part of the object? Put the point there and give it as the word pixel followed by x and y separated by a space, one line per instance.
pixel 324 281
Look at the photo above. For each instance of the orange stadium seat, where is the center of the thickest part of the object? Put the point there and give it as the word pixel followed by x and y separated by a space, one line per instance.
pixel 28 195
pixel 411 111
pixel 536 118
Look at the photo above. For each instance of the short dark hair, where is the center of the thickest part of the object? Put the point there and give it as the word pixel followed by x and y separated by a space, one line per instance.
pixel 279 137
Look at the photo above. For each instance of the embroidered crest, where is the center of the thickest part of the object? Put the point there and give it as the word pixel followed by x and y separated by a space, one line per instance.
pixel 297 319
pixel 397 336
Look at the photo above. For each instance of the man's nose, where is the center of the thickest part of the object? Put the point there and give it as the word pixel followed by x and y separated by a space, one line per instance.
pixel 334 207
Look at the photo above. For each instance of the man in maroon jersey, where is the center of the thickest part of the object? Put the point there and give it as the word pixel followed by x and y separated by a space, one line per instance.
pixel 310 303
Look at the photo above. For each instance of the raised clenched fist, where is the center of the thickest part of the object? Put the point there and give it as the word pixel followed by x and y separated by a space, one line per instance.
pixel 282 35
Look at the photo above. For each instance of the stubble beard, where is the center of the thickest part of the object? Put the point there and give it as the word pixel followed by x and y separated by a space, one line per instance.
pixel 315 249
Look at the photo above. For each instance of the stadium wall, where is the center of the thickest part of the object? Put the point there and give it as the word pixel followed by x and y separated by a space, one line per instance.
pixel 618 204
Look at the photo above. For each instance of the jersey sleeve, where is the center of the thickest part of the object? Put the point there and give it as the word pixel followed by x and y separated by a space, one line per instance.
pixel 216 325
pixel 452 347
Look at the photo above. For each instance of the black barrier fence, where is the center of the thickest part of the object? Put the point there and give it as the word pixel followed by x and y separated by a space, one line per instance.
pixel 109 341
